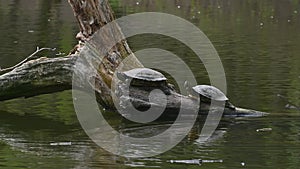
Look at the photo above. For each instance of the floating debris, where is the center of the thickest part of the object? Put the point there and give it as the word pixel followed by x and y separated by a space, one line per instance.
pixel 289 20
pixel 137 3
pixel 219 7
pixel 31 31
pixel 61 144
pixel 199 12
pixel 243 164
pixel 295 12
pixel 272 17
pixel 195 161
pixel 261 24
pixel 264 130
pixel 178 6
pixel 290 106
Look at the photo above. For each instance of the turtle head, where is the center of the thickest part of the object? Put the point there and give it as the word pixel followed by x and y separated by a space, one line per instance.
pixel 188 89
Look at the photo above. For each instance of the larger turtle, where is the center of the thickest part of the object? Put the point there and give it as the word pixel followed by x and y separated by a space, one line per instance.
pixel 145 78
pixel 208 93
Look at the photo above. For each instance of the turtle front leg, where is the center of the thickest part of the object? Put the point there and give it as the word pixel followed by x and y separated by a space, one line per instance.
pixel 229 105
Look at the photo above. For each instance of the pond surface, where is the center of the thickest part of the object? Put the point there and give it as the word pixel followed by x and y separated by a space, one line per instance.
pixel 259 45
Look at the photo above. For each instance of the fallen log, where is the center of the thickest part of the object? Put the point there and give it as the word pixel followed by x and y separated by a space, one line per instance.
pixel 48 75
pixel 35 77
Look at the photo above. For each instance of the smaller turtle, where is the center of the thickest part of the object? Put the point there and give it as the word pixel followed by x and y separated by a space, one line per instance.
pixel 145 78
pixel 208 93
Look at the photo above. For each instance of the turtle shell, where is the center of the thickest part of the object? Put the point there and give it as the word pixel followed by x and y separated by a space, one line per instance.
pixel 145 78
pixel 210 92
pixel 145 74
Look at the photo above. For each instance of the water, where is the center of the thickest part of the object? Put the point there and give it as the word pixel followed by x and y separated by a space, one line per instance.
pixel 258 42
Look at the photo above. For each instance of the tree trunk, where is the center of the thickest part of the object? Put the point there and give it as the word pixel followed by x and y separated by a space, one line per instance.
pixel 48 75
pixel 92 15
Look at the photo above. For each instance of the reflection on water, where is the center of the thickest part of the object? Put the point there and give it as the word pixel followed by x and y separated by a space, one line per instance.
pixel 258 42
pixel 27 24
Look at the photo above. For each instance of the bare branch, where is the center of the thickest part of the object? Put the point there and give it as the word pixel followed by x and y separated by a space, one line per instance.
pixel 38 50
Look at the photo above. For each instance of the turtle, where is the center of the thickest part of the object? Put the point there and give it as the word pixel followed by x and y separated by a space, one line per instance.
pixel 145 78
pixel 208 93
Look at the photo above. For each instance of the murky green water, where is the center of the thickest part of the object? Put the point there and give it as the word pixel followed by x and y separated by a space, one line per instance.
pixel 258 42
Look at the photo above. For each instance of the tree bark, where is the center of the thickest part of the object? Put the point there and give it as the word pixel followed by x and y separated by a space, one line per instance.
pixel 40 76
pixel 92 15
pixel 48 75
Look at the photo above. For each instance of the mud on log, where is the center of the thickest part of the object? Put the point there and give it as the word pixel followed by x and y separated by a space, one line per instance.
pixel 49 75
